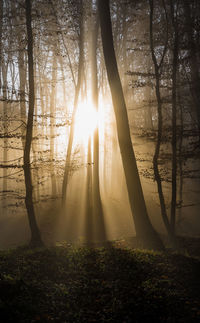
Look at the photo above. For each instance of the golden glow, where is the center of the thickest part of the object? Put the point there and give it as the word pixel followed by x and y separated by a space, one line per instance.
pixel 86 120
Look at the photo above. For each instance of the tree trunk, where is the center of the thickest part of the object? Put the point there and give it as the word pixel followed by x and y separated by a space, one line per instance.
pixel 100 233
pixel 180 161
pixel 35 233
pixel 174 113
pixel 194 64
pixel 43 102
pixel 71 135
pixel 52 125
pixel 89 203
pixel 22 82
pixel 4 67
pixel 3 85
pixel 63 84
pixel 144 229
pixel 1 25
pixel 160 130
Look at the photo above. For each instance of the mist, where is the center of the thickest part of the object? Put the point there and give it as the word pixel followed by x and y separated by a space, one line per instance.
pixel 80 192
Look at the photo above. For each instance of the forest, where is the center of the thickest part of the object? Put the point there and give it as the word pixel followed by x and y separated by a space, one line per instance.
pixel 99 160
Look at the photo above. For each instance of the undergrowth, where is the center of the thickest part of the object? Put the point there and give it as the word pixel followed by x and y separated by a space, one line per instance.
pixel 68 284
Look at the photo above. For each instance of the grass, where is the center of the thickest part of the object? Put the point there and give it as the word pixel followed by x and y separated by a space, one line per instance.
pixel 113 284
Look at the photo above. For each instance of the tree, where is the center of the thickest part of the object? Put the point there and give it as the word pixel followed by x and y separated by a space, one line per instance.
pixel 1 23
pixel 144 229
pixel 22 72
pixel 97 202
pixel 158 65
pixel 76 96
pixel 193 49
pixel 4 83
pixel 35 233
pixel 174 114
pixel 157 68
pixel 52 122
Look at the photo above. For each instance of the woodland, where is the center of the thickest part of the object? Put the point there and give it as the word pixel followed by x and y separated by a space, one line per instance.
pixel 99 160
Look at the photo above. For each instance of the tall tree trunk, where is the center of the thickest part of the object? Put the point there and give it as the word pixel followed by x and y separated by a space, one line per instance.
pixel 22 84
pixel 22 80
pixel 63 83
pixel 43 103
pixel 89 203
pixel 71 135
pixel 160 128
pixel 194 63
pixel 144 229
pixel 52 124
pixel 174 117
pixel 180 161
pixel 124 49
pixel 35 233
pixel 3 85
pixel 97 202
pixel 1 25
pixel 5 121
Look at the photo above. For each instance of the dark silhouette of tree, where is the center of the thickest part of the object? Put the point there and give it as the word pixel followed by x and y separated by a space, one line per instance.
pixel 97 202
pixel 157 67
pixel 77 91
pixel 174 112
pixel 35 233
pixel 190 9
pixel 144 229
pixel 1 23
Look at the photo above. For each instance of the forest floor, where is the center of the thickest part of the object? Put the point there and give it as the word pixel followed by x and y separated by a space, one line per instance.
pixel 107 284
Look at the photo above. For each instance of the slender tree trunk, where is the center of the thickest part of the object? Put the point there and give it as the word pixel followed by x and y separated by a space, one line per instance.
pixel 194 63
pixel 35 233
pixel 144 229
pixel 124 49
pixel 97 202
pixel 174 117
pixel 4 93
pixel 63 83
pixel 22 79
pixel 52 124
pixel 160 129
pixel 17 20
pixel 3 84
pixel 149 97
pixel 22 84
pixel 181 182
pixel 1 25
pixel 43 103
pixel 5 122
pixel 89 203
pixel 71 135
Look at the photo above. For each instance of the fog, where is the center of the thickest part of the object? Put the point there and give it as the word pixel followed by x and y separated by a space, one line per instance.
pixel 56 95
pixel 69 224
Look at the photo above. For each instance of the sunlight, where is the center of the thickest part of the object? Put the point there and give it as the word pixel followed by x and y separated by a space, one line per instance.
pixel 86 120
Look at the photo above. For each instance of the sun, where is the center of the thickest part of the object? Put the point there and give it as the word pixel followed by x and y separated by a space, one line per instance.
pixel 86 121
